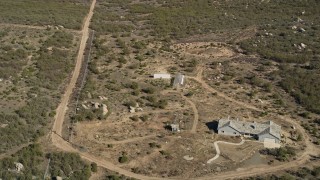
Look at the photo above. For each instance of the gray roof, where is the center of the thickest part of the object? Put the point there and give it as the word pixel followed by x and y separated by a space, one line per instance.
pixel 178 80
pixel 252 127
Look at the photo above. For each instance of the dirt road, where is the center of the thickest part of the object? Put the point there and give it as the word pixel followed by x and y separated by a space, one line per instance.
pixel 62 108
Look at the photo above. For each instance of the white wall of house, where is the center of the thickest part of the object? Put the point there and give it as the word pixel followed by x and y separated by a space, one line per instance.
pixel 162 76
pixel 228 131
pixel 269 136
pixel 182 80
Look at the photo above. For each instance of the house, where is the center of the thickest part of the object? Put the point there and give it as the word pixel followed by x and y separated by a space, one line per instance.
pixel 178 80
pixel 268 131
pixel 162 76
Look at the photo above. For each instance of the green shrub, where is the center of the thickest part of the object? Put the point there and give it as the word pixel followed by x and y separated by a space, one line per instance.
pixel 94 167
pixel 123 159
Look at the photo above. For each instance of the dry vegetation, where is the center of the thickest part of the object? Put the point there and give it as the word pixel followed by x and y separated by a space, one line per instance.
pixel 68 14
pixel 35 64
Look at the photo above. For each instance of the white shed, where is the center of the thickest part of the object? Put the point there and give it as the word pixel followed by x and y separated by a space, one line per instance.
pixel 178 80
pixel 162 76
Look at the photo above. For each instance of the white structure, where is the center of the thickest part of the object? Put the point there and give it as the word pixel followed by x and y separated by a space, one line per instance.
pixel 162 76
pixel 178 80
pixel 175 127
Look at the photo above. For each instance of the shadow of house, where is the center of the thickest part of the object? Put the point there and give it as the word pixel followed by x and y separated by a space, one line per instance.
pixel 213 125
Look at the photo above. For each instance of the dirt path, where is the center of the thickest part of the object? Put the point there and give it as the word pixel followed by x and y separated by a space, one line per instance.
pixel 35 27
pixel 200 80
pixel 62 108
pixel 193 106
pixel 218 150
pixel 23 26
pixel 130 140
pixel 14 150
pixel 195 112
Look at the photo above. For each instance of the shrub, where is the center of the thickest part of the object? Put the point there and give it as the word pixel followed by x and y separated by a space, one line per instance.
pixel 148 90
pixel 281 154
pixel 94 167
pixel 134 118
pixel 123 159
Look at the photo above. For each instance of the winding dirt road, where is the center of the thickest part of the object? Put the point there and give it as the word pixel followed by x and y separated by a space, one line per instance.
pixel 218 150
pixel 66 146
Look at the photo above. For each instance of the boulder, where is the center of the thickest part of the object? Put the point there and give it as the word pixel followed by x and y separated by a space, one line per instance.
pixel 105 109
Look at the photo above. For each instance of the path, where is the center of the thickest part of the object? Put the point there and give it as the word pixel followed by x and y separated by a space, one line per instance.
pixel 14 150
pixel 218 150
pixel 36 27
pixel 224 96
pixel 130 140
pixel 193 106
pixel 195 112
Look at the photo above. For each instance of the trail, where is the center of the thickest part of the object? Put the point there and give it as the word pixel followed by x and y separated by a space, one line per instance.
pixel 195 112
pixel 218 150
pixel 224 96
pixel 14 150
pixel 200 80
pixel 193 106
pixel 36 27
pixel 130 140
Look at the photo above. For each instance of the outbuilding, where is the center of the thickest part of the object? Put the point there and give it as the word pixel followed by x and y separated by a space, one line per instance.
pixel 162 76
pixel 178 80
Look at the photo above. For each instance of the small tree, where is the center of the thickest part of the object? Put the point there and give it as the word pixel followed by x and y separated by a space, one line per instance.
pixel 94 167
pixel 299 138
pixel 123 159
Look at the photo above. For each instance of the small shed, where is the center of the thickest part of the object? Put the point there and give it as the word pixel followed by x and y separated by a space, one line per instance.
pixel 178 80
pixel 175 127
pixel 162 76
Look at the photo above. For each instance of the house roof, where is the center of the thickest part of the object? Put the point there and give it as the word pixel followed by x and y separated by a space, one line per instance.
pixel 162 74
pixel 252 127
pixel 178 79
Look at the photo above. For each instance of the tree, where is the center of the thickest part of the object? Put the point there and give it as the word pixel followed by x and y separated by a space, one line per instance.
pixel 123 159
pixel 94 167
